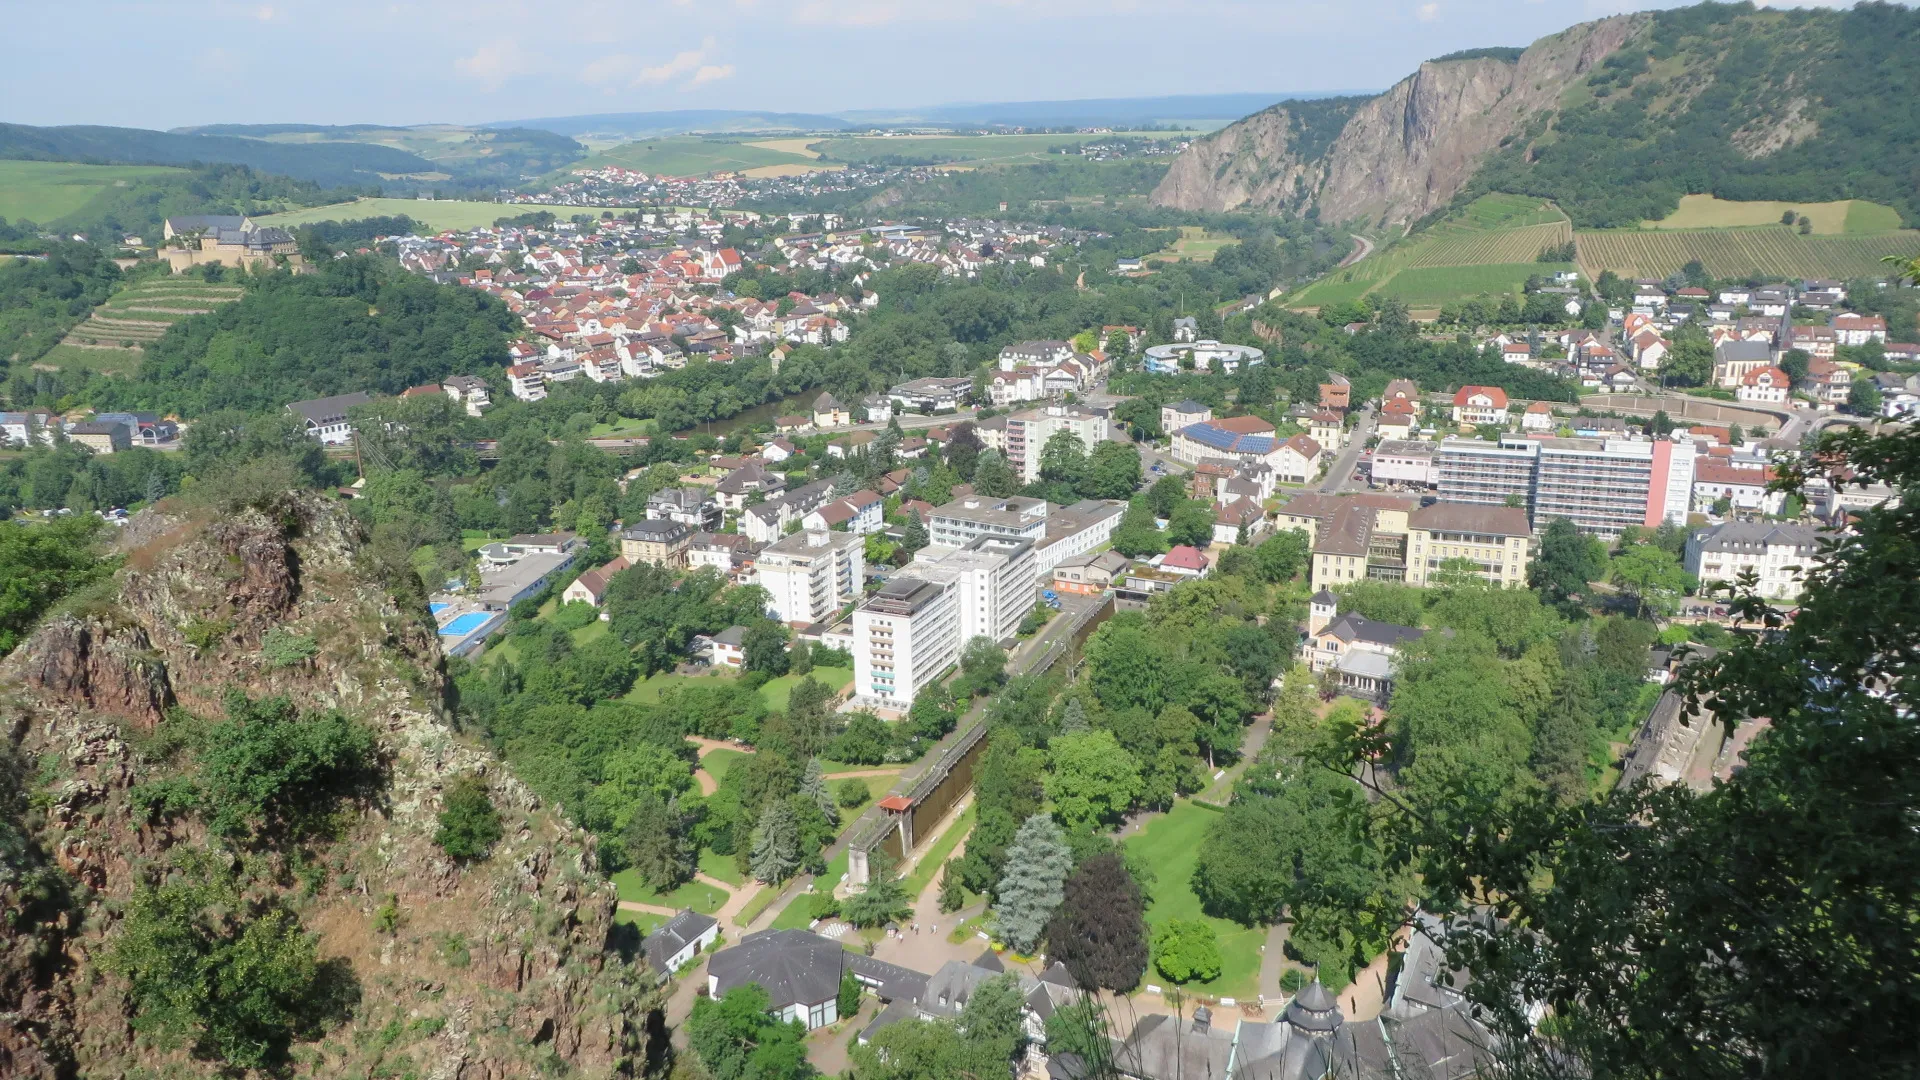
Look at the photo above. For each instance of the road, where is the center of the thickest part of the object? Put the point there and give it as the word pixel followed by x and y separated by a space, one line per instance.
pixel 1340 473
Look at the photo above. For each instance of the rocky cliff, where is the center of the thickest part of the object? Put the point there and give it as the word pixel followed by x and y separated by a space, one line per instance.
pixel 1397 156
pixel 494 968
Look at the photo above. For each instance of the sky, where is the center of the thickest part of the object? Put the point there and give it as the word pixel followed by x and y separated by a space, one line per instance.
pixel 173 63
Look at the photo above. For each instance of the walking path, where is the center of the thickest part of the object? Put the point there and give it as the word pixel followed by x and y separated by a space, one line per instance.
pixel 651 909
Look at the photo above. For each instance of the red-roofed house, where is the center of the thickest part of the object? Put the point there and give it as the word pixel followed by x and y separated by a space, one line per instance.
pixel 1185 560
pixel 591 587
pixel 1853 328
pixel 1230 518
pixel 1745 488
pixel 1767 385
pixel 1538 417
pixel 1478 405
pixel 1297 460
pixel 1828 381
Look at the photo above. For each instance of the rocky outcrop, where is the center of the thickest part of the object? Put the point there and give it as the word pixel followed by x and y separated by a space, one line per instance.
pixel 1400 155
pixel 494 969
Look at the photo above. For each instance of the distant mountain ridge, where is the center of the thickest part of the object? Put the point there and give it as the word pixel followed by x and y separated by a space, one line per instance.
pixel 1614 120
pixel 327 164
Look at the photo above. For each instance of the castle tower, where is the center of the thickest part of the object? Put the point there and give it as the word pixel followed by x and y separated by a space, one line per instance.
pixel 1321 609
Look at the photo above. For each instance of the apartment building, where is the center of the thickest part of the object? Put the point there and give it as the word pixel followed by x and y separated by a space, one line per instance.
pixel 904 636
pixel 1028 432
pixel 998 578
pixel 1075 530
pixel 1477 471
pixel 809 574
pixel 1605 485
pixel 768 521
pixel 656 541
pixel 1496 539
pixel 970 516
pixel 693 507
pixel 1779 553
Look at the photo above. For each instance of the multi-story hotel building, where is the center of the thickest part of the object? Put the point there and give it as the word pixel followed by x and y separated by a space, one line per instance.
pixel 904 636
pixel 809 574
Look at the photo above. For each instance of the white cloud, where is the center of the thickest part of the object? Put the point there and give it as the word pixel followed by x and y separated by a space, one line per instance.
pixel 1427 12
pixel 688 65
pixel 494 63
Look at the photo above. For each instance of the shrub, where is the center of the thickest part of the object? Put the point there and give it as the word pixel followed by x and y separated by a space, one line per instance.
pixel 469 825
pixel 282 648
pixel 575 615
pixel 204 634
pixel 822 905
pixel 1186 950
pixel 851 792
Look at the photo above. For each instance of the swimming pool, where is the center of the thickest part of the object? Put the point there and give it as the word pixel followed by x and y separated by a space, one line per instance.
pixel 437 607
pixel 466 624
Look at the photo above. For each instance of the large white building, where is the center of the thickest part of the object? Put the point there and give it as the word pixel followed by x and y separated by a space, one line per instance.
pixel 910 631
pixel 959 521
pixel 1780 553
pixel 809 574
pixel 1028 432
pixel 904 636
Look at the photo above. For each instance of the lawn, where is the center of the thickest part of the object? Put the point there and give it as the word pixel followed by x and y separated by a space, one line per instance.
pixel 650 688
pixel 928 868
pixel 721 866
pixel 624 429
pixel 1195 243
pixel 647 921
pixel 436 214
pixel 1440 284
pixel 717 762
pixel 1171 845
pixel 46 191
pixel 700 897
pixel 113 361
pixel 1828 218
pixel 794 915
pixel 776 691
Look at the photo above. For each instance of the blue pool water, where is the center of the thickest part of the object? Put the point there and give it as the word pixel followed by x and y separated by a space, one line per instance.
pixel 465 624
pixel 437 607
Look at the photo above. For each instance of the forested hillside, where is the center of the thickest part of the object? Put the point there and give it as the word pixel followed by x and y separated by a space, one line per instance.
pixel 1614 120
pixel 359 324
pixel 329 164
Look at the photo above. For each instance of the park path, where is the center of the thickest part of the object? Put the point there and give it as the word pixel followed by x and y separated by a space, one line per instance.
pixel 859 774
pixel 651 909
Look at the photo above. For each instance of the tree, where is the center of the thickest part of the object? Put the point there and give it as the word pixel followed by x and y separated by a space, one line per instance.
pixel 1191 523
pixel 953 895
pixel 1281 556
pixel 1137 534
pixel 1652 576
pixel 1735 436
pixel 1795 362
pixel 764 649
pixel 1864 397
pixel 1763 925
pixel 1566 563
pixel 930 1050
pixel 40 565
pixel 813 785
pixel 983 667
pixel 848 1004
pixel 1100 931
pixel 992 475
pixel 657 844
pixel 737 1038
pixel 1033 886
pixel 1064 459
pixel 916 533
pixel 1093 780
pixel 1113 471
pixel 852 792
pixel 235 980
pixel 884 900
pixel 1187 950
pixel 469 825
pixel 776 843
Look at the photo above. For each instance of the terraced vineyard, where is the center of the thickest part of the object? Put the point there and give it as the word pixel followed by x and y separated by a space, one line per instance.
pixel 1739 252
pixel 1494 242
pixel 112 337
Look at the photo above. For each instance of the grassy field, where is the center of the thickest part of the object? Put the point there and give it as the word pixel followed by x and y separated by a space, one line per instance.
pixel 648 689
pixel 1494 231
pixel 702 898
pixel 721 866
pixel 46 191
pixel 691 155
pixel 717 762
pixel 1195 243
pixel 1739 252
pixel 794 915
pixel 1171 843
pixel 978 149
pixel 1433 285
pixel 436 214
pixel 1827 218
pixel 111 360
pixel 776 691
pixel 646 921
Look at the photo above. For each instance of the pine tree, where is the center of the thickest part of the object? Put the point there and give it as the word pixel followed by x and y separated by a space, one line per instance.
pixel 657 845
pixel 813 784
pixel 1032 887
pixel 953 896
pixel 885 898
pixel 776 844
pixel 156 487
pixel 916 534
pixel 1073 718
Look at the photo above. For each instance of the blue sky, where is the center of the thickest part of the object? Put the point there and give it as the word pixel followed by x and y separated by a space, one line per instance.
pixel 168 63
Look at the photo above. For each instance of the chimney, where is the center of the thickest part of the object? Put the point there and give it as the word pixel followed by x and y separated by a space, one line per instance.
pixel 1202 1020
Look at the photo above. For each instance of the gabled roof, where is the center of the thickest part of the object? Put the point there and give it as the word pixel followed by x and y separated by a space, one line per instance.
pixel 673 936
pixel 1494 394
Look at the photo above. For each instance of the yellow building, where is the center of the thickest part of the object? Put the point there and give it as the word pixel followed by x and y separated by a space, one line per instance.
pixel 1495 539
